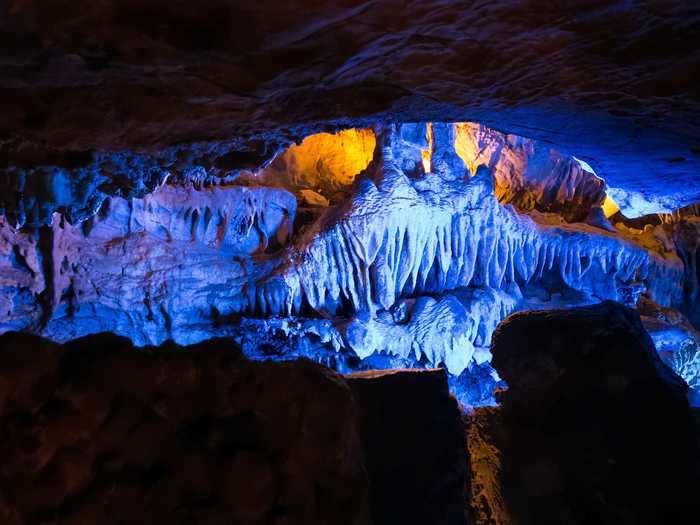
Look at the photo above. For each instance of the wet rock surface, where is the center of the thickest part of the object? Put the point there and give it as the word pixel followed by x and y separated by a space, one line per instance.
pixel 594 427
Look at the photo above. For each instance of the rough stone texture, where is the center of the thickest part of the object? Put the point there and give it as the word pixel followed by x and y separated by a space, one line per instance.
pixel 325 162
pixel 98 433
pixel 531 174
pixel 613 82
pixel 534 352
pixel 686 235
pixel 413 435
pixel 139 145
pixel 183 261
pixel 485 435
pixel 675 338
pixel 594 428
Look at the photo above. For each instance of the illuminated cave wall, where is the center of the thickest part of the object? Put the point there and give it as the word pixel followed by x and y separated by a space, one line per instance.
pixel 399 245
pixel 323 167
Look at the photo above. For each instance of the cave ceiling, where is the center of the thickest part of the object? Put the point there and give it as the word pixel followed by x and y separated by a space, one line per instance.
pixel 613 83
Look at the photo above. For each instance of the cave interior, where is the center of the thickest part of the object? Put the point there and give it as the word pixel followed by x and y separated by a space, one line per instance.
pixel 258 245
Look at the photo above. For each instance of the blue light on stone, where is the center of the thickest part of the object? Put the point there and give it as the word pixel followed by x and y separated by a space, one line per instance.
pixel 347 251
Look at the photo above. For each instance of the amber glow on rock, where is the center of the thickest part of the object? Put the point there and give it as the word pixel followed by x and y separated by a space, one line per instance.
pixel 529 175
pixel 427 153
pixel 609 207
pixel 324 162
pixel 465 145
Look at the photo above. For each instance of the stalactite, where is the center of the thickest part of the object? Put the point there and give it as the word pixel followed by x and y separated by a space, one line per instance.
pixel 411 264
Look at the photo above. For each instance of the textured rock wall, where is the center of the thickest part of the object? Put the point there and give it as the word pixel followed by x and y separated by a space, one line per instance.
pixel 410 248
pixel 530 174
pixel 613 82
pixel 141 267
pixel 325 163
pixel 593 428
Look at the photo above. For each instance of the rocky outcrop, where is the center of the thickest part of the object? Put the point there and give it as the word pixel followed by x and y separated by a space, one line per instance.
pixel 326 163
pixel 414 439
pixel 676 340
pixel 485 437
pixel 531 174
pixel 594 427
pixel 686 235
pixel 97 432
pixel 430 235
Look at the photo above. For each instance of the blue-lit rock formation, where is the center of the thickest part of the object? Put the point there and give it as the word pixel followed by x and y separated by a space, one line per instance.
pixel 371 185
pixel 407 255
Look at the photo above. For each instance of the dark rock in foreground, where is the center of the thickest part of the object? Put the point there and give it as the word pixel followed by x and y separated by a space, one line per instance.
pixel 414 441
pixel 98 433
pixel 594 428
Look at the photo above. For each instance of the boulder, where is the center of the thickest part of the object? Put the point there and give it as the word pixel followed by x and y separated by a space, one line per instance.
pixel 414 442
pixel 97 432
pixel 594 427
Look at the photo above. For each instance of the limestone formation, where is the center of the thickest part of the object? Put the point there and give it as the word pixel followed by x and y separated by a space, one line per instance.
pixel 411 266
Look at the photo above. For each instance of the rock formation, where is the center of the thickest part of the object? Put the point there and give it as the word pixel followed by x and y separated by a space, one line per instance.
pixel 593 427
pixel 97 431
pixel 582 433
pixel 612 82
pixel 443 231
pixel 414 443
pixel 368 185
pixel 531 174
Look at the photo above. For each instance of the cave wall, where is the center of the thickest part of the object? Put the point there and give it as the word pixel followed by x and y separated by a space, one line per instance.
pixel 441 229
pixel 370 185
pixel 580 432
pixel 98 432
